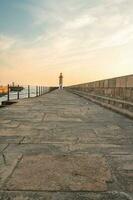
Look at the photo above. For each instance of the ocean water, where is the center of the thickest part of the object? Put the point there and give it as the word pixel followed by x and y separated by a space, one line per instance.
pixel 23 94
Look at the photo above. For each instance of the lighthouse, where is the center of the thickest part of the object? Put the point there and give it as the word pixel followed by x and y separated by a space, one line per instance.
pixel 61 81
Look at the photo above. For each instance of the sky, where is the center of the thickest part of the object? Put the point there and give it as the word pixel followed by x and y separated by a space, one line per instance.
pixel 86 40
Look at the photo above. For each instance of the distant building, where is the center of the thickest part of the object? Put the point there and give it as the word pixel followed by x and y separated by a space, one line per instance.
pixel 3 89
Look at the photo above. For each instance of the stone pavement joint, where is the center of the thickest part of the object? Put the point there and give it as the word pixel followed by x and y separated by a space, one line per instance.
pixel 62 146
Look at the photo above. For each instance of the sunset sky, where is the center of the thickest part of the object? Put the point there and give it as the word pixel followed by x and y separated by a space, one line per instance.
pixel 86 40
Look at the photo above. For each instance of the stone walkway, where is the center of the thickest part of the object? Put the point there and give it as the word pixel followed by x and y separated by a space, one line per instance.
pixel 61 146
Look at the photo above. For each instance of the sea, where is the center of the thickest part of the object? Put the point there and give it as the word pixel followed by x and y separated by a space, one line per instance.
pixel 23 94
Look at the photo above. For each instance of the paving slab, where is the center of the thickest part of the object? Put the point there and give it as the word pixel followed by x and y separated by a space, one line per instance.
pixel 53 117
pixel 60 173
pixel 123 167
pixel 33 149
pixel 61 135
pixel 8 163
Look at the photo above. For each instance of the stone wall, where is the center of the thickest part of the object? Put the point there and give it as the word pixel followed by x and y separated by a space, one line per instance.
pixel 118 88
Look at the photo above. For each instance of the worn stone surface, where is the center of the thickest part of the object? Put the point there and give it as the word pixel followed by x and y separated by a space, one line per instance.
pixel 10 139
pixel 60 172
pixel 63 196
pixel 2 146
pixel 61 142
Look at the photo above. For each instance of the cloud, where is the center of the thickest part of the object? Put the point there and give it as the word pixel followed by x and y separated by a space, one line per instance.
pixel 65 25
pixel 121 37
pixel 73 22
pixel 6 42
pixel 81 22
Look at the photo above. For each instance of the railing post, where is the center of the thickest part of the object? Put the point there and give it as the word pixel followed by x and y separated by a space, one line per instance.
pixel 18 93
pixel 8 93
pixel 43 89
pixel 28 91
pixel 39 90
pixel 36 91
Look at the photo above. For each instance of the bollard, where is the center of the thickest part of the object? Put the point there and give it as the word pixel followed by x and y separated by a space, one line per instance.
pixel 8 92
pixel 18 93
pixel 28 91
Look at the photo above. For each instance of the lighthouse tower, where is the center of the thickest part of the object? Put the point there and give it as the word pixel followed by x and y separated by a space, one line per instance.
pixel 61 81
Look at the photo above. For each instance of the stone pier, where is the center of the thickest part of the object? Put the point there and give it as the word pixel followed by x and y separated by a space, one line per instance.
pixel 60 146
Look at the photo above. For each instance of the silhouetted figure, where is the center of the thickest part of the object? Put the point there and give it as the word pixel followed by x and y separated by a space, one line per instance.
pixel 61 81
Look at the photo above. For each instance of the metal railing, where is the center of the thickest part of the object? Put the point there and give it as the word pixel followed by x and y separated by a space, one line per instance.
pixel 13 93
pixel 38 91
